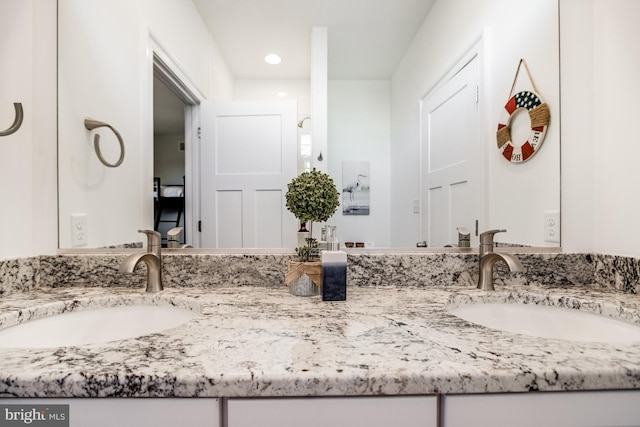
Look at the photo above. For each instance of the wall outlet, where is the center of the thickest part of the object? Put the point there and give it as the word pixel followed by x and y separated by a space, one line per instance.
pixel 79 230
pixel 552 226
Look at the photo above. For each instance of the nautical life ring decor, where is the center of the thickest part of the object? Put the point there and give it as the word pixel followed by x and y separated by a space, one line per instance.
pixel 539 116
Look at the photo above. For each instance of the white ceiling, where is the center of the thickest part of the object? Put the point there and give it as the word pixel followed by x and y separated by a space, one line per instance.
pixel 367 38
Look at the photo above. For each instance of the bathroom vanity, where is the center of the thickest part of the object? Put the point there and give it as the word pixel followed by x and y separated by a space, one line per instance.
pixel 390 355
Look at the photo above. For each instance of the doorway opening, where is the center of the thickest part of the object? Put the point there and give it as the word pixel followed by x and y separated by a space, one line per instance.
pixel 174 115
pixel 168 161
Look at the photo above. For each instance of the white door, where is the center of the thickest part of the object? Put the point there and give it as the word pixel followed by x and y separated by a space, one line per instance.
pixel 248 156
pixel 451 157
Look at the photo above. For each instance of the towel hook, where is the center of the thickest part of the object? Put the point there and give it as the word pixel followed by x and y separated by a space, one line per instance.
pixel 17 122
pixel 91 124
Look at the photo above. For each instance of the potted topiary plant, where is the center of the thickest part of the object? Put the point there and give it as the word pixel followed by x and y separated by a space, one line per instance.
pixel 311 197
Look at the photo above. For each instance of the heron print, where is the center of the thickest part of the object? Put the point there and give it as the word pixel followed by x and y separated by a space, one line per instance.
pixel 355 189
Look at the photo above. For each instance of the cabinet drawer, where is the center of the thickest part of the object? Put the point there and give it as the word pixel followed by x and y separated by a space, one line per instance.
pixel 401 411
pixel 134 412
pixel 549 409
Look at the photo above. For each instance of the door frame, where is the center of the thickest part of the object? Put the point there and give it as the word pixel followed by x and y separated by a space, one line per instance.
pixel 161 64
pixel 478 48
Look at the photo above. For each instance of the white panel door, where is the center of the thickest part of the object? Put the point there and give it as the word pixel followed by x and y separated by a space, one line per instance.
pixel 248 156
pixel 451 157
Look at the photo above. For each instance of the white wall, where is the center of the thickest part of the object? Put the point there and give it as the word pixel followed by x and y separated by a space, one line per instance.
pixel 319 75
pixel 578 115
pixel 516 194
pixel 617 90
pixel 359 130
pixel 600 149
pixel 274 90
pixel 168 160
pixel 105 73
pixel 28 172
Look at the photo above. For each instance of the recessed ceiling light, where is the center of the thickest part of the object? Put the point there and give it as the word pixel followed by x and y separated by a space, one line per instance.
pixel 272 59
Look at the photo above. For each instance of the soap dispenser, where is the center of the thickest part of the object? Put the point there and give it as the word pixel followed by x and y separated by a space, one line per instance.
pixel 334 270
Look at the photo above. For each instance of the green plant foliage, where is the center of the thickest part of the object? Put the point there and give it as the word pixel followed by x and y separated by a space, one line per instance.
pixel 312 196
pixel 309 252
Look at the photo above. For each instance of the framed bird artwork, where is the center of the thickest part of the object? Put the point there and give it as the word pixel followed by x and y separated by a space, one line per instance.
pixel 355 188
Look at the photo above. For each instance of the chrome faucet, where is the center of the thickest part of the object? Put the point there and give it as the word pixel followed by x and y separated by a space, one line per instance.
pixel 488 258
pixel 152 258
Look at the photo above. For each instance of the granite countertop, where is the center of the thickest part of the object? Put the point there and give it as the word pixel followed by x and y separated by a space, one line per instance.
pixel 261 341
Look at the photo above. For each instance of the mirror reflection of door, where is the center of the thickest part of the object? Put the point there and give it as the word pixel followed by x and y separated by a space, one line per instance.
pixel 168 161
pixel 451 157
pixel 248 156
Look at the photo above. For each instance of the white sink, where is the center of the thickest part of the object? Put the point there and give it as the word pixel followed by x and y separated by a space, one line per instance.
pixel 94 326
pixel 549 322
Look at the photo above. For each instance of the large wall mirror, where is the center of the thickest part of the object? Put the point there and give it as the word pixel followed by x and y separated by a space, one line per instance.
pixel 399 125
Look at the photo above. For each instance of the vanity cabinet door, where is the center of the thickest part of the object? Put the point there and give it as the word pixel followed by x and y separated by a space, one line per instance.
pixel 549 409
pixel 402 411
pixel 133 412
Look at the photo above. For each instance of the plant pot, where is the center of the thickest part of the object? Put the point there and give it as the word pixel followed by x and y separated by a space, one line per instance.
pixel 304 278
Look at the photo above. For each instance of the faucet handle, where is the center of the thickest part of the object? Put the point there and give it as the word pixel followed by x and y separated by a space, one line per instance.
pixel 486 241
pixel 173 237
pixel 487 236
pixel 154 241
pixel 464 237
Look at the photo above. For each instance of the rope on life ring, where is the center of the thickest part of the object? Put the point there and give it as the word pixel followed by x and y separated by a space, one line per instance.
pixel 539 116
